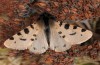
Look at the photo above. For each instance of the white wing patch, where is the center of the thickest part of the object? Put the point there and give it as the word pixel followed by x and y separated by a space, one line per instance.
pixel 64 35
pixel 57 43
pixel 40 45
pixel 28 37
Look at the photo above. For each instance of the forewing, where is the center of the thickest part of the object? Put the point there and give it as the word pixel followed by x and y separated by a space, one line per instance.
pixel 23 39
pixel 67 35
pixel 71 33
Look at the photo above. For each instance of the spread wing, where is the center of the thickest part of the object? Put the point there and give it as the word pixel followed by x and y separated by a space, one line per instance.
pixel 28 38
pixel 64 35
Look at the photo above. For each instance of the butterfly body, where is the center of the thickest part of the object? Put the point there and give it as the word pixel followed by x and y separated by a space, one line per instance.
pixel 47 33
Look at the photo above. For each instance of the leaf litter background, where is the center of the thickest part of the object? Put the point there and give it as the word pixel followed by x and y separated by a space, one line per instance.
pixel 17 14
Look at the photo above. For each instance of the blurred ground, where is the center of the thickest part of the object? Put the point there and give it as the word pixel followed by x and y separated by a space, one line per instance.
pixel 16 15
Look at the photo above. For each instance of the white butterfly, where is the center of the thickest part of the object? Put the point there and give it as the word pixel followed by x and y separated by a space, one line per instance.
pixel 61 37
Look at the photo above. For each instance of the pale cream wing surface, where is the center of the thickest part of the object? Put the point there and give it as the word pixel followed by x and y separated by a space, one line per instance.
pixel 57 43
pixel 23 39
pixel 68 34
pixel 71 33
pixel 39 45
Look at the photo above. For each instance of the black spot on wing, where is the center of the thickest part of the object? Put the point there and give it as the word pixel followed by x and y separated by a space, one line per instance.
pixel 74 27
pixel 63 36
pixel 60 32
pixel 83 30
pixel 64 45
pixel 12 38
pixel 55 47
pixel 34 35
pixel 60 24
pixel 81 35
pixel 66 26
pixel 22 39
pixel 15 42
pixel 73 33
pixel 32 39
pixel 32 26
pixel 19 34
pixel 34 48
pixel 26 30
pixel 35 38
